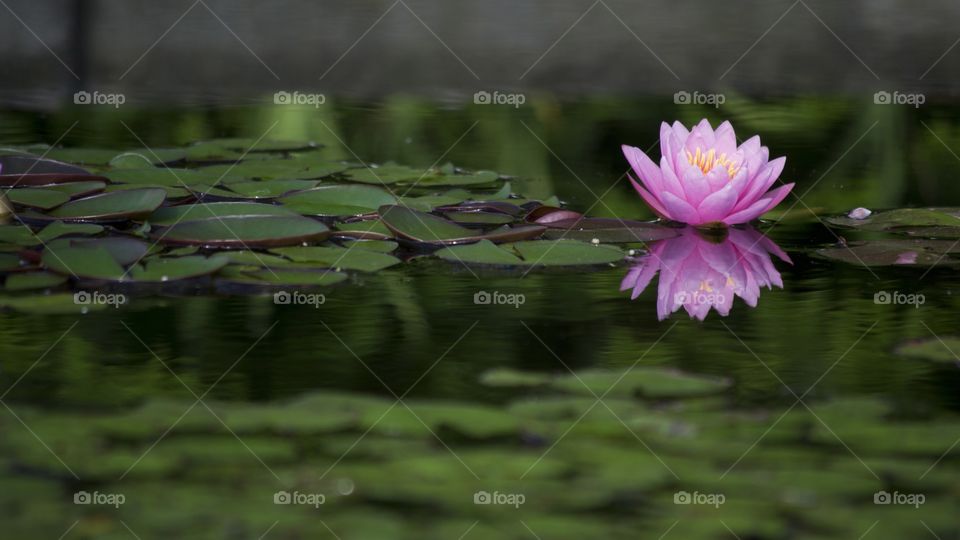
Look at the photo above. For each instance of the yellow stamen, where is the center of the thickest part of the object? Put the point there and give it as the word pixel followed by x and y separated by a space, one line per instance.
pixel 707 161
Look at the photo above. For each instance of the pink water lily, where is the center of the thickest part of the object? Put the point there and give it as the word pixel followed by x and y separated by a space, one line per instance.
pixel 705 178
pixel 698 273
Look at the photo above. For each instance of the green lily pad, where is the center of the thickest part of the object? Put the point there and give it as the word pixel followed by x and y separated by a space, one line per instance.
pixel 241 144
pixel 270 189
pixel 132 204
pixel 22 235
pixel 608 230
pixel 472 179
pixel 96 258
pixel 82 156
pixel 429 229
pixel 147 158
pixel 381 246
pixel 289 169
pixel 86 262
pixel 386 174
pixel 894 251
pixel 77 189
pixel 9 262
pixel 44 199
pixel 173 268
pixel 338 200
pixel 51 304
pixel 936 350
pixel 173 214
pixel 652 382
pixel 164 176
pixel 565 253
pixel 245 232
pixel 58 228
pixel 902 217
pixel 25 281
pixel 172 192
pixel 512 378
pixel 482 252
pixel 373 229
pixel 482 218
pixel 292 278
pixel 340 258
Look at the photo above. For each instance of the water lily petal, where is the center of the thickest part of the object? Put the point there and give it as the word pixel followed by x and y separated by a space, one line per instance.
pixel 679 209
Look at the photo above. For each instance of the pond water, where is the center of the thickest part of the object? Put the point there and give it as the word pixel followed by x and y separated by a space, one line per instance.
pixel 559 409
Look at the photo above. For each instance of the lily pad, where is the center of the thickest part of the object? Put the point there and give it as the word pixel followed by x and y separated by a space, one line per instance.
pixel 292 278
pixel 366 230
pixel 173 214
pixel 340 258
pixel 902 217
pixel 44 199
pixel 338 200
pixel 51 304
pixel 289 169
pixel 136 159
pixel 168 269
pixel 270 189
pixel 118 205
pixel 535 252
pixel 942 350
pixel 77 189
pixel 482 252
pixel 894 251
pixel 607 230
pixel 164 176
pixel 25 281
pixel 481 218
pixel 245 232
pixel 82 156
pixel 429 229
pixel 9 262
pixel 652 382
pixel 386 174
pixel 565 253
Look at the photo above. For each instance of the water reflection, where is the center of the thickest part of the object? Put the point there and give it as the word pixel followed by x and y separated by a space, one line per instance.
pixel 700 270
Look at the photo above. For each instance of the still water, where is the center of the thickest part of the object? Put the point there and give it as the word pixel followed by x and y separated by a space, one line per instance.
pixel 813 415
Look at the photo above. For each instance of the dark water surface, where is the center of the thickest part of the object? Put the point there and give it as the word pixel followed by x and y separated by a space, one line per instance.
pixel 869 420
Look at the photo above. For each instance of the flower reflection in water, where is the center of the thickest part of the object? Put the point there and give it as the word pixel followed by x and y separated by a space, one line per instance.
pixel 698 272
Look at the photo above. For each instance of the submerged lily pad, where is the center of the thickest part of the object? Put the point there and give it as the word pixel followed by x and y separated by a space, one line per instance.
pixel 338 200
pixel 245 232
pixel 131 204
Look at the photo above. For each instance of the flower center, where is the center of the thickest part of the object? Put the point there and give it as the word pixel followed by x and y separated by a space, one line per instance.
pixel 707 161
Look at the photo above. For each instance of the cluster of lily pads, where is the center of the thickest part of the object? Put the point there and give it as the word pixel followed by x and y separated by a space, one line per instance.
pixel 921 237
pixel 235 213
pixel 585 470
